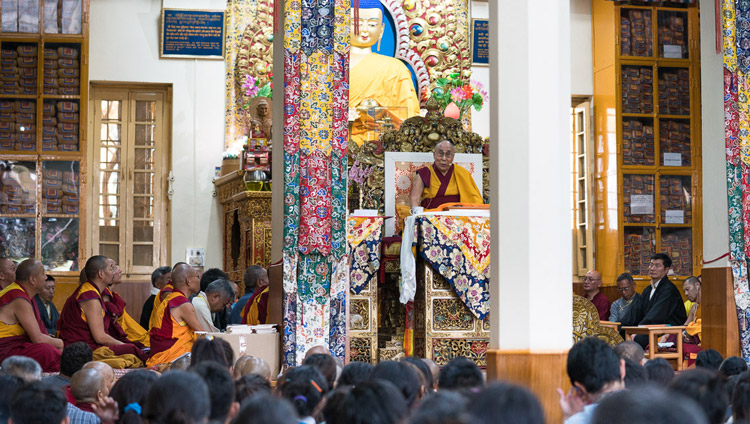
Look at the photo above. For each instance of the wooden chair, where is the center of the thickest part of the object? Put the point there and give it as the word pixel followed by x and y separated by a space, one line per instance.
pixel 586 323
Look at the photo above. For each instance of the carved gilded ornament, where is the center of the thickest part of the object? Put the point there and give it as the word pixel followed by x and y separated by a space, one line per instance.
pixel 586 323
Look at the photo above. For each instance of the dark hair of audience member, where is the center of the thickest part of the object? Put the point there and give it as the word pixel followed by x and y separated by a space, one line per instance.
pixel 732 366
pixel 333 408
pixel 401 375
pixel 630 350
pixel 729 384
pixel 446 407
pixel 354 373
pixel 228 351
pixel 74 356
pixel 209 350
pixel 505 403
pixel 423 369
pixel 592 363
pixel 36 403
pixel 264 408
pixel 709 359
pixel 460 373
pixel 635 374
pixel 130 393
pixel 741 398
pixel 178 397
pixel 250 385
pixel 371 402
pixel 304 387
pixel 706 387
pixel 9 384
pixel 211 275
pixel 648 404
pixel 659 371
pixel 325 364
pixel 220 388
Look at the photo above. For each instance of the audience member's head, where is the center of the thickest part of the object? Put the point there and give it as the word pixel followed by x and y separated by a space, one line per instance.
pixel 38 403
pixel 220 389
pixel 741 398
pixel 626 285
pixel 211 275
pixel 364 405
pixel 130 393
pixel 424 369
pixel 22 367
pixel 160 277
pixel 210 350
pixel 732 366
pixel 88 386
pixel 446 407
pixel 177 397
pixel 317 349
pixel 247 365
pixel 659 371
pixel 264 408
pixel 460 373
pixel 630 350
pixel 180 364
pixel 74 357
pixel 594 368
pixel 108 374
pixel 403 376
pixel 304 387
pixel 650 405
pixel 354 373
pixel 505 403
pixel 219 294
pixel 255 276
pixel 435 370
pixel 709 359
pixel 635 374
pixel 706 387
pixel 9 384
pixel 325 364
pixel 250 385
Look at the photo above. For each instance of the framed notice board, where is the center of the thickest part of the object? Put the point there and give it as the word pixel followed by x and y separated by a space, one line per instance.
pixel 480 42
pixel 192 33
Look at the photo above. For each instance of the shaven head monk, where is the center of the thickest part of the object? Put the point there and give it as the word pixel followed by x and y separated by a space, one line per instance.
pixel 22 331
pixel 84 317
pixel 247 364
pixel 7 272
pixel 107 373
pixel 174 321
pixel 122 326
pixel 88 387
pixel 443 182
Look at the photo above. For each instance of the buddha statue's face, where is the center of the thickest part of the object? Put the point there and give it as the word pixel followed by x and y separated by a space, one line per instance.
pixel 370 27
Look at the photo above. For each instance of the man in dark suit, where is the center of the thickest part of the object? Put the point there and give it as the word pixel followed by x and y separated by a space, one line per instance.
pixel 47 310
pixel 662 302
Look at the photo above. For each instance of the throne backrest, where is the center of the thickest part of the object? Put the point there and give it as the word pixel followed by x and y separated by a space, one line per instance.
pixel 586 323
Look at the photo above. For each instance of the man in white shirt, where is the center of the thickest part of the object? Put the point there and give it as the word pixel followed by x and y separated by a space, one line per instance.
pixel 218 295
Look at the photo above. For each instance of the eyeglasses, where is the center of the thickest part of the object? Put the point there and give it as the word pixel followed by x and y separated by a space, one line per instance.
pixel 590 279
pixel 446 155
pixel 623 289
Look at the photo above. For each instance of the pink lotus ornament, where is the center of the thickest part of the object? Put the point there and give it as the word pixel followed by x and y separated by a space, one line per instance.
pixel 452 111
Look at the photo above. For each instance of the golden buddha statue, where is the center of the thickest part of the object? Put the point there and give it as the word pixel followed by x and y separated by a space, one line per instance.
pixel 375 78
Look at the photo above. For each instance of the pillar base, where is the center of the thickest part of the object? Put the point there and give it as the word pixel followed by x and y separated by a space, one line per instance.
pixel 541 372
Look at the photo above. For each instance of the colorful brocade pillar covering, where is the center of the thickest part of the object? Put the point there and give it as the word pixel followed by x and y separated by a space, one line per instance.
pixel 736 50
pixel 316 101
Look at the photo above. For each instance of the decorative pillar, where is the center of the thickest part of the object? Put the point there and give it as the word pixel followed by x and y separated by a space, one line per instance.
pixel 531 303
pixel 315 134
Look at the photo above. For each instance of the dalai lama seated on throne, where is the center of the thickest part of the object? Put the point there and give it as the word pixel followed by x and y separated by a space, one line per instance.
pixel 443 181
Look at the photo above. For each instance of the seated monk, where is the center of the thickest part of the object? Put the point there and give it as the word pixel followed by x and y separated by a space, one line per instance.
pixel 122 326
pixel 84 318
pixel 256 309
pixel 163 293
pixel 174 321
pixel 691 336
pixel 443 182
pixel 22 331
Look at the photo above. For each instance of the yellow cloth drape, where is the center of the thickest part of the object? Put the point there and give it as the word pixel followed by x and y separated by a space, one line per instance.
pixel 133 329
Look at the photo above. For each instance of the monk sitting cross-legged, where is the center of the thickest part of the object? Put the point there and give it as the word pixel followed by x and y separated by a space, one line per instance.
pixel 174 321
pixel 84 318
pixel 22 331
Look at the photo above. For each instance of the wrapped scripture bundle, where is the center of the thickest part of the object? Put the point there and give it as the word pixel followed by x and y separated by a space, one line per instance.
pixel 26 146
pixel 51 193
pixel 50 54
pixel 70 177
pixel 27 50
pixel 70 199
pixel 67 53
pixel 68 147
pixel 26 62
pixel 50 72
pixel 49 121
pixel 8 106
pixel 70 189
pixel 70 139
pixel 27 73
pixel 53 174
pixel 51 64
pixel 7 116
pixel 67 117
pixel 67 107
pixel 63 128
pixel 53 206
pixel 69 73
pixel 23 128
pixel 70 209
pixel 49 109
pixel 25 118
pixel 72 91
pixel 52 184
pixel 7 127
pixel 69 82
pixel 67 63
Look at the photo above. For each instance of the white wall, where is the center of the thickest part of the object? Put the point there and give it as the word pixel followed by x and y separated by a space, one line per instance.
pixel 581 57
pixel 480 120
pixel 124 46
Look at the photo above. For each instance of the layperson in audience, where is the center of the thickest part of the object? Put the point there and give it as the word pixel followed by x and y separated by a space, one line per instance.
pixel 460 373
pixel 9 385
pixel 304 387
pixel 217 296
pixel 594 370
pixel 707 389
pixel 632 351
pixel 733 365
pixel 648 405
pixel 7 272
pixel 249 385
pixel 443 181
pixel 22 367
pixel 129 392
pixel 74 357
pixel 256 309
pixel 691 336
pixel 449 407
pixel 174 321
pixel 505 403
pixel 220 391
pixel 709 359
pixel 662 302
pixel 22 331
pixel 84 317
pixel 255 276
pixel 267 409
pixel 178 396
pixel 219 318
pixel 122 326
pixel 591 285
pixel 325 364
pixel 741 399
pixel 635 374
pixel 659 371
pixel 26 406
pixel 354 373
pixel 404 376
pixel 47 310
pixel 625 309
pixel 159 278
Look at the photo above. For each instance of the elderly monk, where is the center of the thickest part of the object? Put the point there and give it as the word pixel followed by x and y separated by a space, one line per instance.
pixel 22 331
pixel 122 326
pixel 174 321
pixel 591 284
pixel 84 318
pixel 7 272
pixel 443 182
pixel 89 387
pixel 256 309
